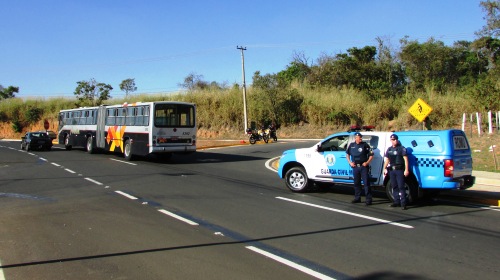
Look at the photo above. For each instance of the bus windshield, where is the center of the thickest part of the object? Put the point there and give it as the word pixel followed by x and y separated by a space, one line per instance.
pixel 174 115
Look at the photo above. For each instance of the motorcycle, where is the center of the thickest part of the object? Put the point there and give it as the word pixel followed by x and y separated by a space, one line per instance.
pixel 272 132
pixel 258 135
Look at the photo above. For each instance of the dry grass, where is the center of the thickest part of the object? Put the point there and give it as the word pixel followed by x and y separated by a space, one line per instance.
pixel 484 158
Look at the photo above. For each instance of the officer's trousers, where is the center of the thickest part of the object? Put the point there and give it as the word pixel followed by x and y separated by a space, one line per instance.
pixel 359 173
pixel 398 186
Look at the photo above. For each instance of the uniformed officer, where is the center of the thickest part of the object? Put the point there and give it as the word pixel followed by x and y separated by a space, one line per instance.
pixel 396 158
pixel 359 156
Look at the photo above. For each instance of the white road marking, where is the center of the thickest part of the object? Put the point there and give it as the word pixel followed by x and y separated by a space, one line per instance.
pixel 178 217
pixel 347 213
pixel 494 208
pixel 123 161
pixel 55 164
pixel 268 164
pixel 70 171
pixel 43 159
pixel 126 195
pixel 2 277
pixel 93 181
pixel 289 263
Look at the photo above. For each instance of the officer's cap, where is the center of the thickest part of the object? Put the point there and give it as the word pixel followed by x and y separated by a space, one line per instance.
pixel 394 136
pixel 358 134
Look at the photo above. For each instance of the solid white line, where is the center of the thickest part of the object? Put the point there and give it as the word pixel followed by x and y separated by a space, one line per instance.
pixel 70 171
pixel 2 277
pixel 93 181
pixel 126 195
pixel 178 217
pixel 123 161
pixel 347 213
pixel 289 263
pixel 55 164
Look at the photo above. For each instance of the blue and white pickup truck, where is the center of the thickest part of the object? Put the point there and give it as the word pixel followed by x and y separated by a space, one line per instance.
pixel 439 160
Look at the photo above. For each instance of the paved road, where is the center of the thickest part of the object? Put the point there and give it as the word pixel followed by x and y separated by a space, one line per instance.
pixel 220 214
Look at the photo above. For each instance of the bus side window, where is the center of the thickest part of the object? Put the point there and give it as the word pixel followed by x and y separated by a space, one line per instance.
pixel 88 117
pixel 81 117
pixel 130 116
pixel 146 116
pixel 67 118
pixel 61 119
pixel 139 119
pixel 110 118
pixel 74 118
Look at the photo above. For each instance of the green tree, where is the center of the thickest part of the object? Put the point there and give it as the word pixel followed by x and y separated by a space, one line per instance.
pixel 393 79
pixel 297 70
pixel 488 47
pixel 492 27
pixel 428 65
pixel 91 93
pixel 274 101
pixel 8 92
pixel 194 81
pixel 128 86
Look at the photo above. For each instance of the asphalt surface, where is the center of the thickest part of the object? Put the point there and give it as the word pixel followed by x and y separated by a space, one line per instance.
pixel 486 189
pixel 66 216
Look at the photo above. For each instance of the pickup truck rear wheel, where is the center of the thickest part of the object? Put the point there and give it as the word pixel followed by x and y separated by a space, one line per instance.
pixel 296 179
pixel 410 188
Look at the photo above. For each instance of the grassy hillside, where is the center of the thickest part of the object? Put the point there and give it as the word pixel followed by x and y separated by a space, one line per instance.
pixel 322 111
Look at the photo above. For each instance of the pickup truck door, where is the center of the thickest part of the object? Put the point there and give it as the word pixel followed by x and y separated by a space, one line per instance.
pixel 329 163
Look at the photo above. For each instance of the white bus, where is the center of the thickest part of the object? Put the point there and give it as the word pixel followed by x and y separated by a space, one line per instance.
pixel 141 128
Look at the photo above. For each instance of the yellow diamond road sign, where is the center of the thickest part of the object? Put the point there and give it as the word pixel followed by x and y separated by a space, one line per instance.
pixel 419 110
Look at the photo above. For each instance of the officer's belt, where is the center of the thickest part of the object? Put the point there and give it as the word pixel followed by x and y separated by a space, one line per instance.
pixel 397 167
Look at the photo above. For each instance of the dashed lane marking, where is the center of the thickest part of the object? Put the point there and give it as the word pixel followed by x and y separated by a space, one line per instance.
pixel 289 263
pixel 122 161
pixel 178 217
pixel 126 195
pixel 93 181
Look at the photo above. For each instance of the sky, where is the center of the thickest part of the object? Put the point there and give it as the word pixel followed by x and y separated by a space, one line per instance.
pixel 47 46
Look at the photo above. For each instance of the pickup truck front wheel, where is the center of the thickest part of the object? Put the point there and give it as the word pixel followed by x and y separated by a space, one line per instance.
pixel 410 189
pixel 296 179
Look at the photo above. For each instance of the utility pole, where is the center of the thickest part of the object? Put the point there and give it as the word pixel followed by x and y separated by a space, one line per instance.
pixel 244 86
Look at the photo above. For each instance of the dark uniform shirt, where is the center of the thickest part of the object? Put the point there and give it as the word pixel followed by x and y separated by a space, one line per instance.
pixel 359 153
pixel 395 155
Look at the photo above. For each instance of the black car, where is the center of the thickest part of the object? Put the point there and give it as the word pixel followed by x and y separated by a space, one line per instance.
pixel 36 140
